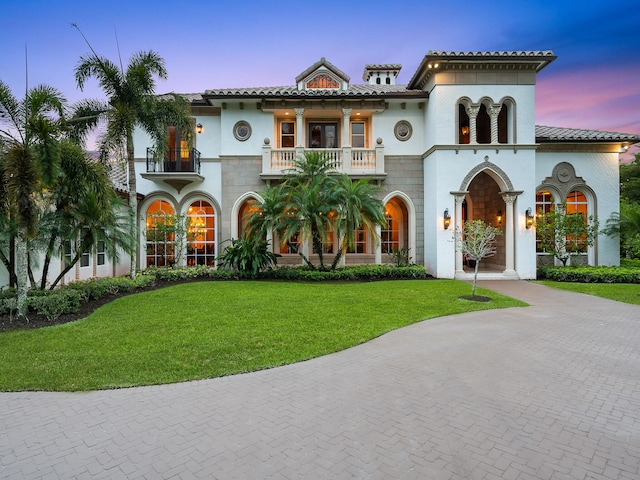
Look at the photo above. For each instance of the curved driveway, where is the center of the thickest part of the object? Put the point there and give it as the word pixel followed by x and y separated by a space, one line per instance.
pixel 550 391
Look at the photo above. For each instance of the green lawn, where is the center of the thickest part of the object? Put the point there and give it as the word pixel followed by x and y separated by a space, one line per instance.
pixel 622 292
pixel 210 329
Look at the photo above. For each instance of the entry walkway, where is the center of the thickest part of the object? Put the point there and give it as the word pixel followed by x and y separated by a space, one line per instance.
pixel 550 391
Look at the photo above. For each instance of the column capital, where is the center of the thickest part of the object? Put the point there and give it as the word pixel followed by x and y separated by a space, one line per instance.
pixel 510 197
pixel 473 110
pixel 299 111
pixel 459 196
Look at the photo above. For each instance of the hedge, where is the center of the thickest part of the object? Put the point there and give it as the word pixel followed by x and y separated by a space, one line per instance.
pixel 581 274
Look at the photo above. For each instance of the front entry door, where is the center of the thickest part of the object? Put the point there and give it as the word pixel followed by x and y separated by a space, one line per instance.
pixel 323 135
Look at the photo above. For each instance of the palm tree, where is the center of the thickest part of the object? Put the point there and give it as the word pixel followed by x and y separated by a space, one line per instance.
pixel 357 207
pixel 31 130
pixel 83 206
pixel 131 103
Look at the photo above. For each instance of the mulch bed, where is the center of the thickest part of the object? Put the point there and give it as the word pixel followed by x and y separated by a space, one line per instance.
pixel 32 320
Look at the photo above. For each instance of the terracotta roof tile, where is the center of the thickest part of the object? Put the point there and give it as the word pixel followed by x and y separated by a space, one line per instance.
pixel 560 134
pixel 292 91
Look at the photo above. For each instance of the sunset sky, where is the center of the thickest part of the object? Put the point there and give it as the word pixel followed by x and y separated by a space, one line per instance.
pixel 594 83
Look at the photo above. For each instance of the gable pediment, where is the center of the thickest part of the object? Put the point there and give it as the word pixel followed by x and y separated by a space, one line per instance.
pixel 322 75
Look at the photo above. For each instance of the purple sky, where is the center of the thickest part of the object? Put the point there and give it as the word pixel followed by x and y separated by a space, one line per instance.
pixel 594 83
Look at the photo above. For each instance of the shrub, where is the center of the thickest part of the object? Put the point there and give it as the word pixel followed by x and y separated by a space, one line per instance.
pixel 350 273
pixel 248 255
pixel 54 303
pixel 581 274
pixel 172 274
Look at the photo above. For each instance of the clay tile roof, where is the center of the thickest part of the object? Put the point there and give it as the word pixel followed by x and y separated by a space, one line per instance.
pixel 292 91
pixel 560 134
pixel 506 54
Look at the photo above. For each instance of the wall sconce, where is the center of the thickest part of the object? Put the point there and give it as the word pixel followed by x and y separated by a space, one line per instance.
pixel 529 218
pixel 499 217
pixel 199 128
pixel 447 219
pixel 464 131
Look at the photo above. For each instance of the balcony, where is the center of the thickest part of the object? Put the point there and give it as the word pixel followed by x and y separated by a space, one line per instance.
pixel 356 162
pixel 179 168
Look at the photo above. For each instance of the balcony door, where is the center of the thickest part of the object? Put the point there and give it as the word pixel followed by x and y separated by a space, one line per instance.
pixel 323 135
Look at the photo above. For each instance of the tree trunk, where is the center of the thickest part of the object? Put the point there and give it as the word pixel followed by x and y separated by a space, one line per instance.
pixel 22 271
pixel 133 201
pixel 475 279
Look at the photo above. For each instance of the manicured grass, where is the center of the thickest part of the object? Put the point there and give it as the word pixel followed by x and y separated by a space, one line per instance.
pixel 210 329
pixel 622 292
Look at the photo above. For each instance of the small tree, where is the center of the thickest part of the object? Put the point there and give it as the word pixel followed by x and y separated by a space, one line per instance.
pixel 476 241
pixel 565 234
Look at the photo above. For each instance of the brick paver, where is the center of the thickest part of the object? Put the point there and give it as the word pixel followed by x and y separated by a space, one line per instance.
pixel 550 391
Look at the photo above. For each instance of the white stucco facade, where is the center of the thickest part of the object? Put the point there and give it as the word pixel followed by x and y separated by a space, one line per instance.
pixel 459 137
pixel 414 144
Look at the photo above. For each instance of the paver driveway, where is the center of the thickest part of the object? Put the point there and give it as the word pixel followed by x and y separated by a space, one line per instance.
pixel 550 391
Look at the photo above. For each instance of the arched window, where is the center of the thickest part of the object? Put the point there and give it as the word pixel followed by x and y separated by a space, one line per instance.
pixel 577 204
pixel 544 205
pixel 395 235
pixel 245 212
pixel 483 125
pixel 503 128
pixel 463 125
pixel 160 234
pixel 201 244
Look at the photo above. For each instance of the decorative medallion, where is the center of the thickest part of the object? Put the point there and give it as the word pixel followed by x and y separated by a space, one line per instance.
pixel 403 130
pixel 242 130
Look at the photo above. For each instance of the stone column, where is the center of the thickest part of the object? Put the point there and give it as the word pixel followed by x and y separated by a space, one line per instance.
pixel 346 140
pixel 509 234
pixel 299 127
pixel 473 111
pixel 457 225
pixel 494 111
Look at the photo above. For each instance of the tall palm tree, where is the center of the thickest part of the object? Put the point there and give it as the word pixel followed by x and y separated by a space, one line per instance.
pixel 31 130
pixel 131 102
pixel 357 207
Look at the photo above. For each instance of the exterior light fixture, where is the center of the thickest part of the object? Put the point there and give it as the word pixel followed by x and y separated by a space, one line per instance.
pixel 499 217
pixel 465 130
pixel 529 218
pixel 447 219
pixel 199 128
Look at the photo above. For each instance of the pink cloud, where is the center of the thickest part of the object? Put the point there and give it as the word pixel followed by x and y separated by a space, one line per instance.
pixel 606 99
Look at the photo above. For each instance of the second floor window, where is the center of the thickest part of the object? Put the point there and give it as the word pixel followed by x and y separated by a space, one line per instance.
pixel 287 134
pixel 358 139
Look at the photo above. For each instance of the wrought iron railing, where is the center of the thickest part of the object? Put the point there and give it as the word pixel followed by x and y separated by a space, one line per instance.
pixel 179 160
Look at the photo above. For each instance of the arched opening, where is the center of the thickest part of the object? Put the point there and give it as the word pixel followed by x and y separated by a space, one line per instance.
pixel 245 212
pixel 545 202
pixel 464 133
pixel 483 125
pixel 160 234
pixel 503 126
pixel 201 244
pixel 486 204
pixel 395 236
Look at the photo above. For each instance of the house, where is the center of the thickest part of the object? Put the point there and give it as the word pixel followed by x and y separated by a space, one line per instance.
pixel 457 142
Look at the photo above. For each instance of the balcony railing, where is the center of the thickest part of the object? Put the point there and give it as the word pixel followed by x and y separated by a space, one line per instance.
pixel 176 160
pixel 353 161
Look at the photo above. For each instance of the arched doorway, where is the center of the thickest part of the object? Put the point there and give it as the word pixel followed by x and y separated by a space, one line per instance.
pixel 485 203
